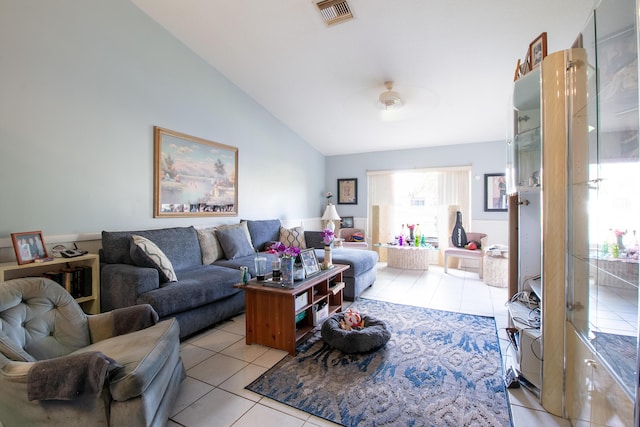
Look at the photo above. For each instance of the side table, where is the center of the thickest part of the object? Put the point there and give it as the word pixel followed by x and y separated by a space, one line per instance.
pixel 496 266
pixel 282 317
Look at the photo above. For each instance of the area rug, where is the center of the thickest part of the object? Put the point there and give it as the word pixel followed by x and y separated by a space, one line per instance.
pixel 438 369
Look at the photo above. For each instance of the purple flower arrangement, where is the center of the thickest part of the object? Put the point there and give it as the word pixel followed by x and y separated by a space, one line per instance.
pixel 327 236
pixel 283 251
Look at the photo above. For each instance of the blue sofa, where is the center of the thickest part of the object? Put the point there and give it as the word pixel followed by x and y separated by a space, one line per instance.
pixel 206 262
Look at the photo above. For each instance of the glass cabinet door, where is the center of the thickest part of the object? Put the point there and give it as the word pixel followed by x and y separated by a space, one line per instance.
pixel 527 149
pixel 604 220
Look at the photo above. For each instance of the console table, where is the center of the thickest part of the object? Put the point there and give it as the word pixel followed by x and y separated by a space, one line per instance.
pixel 271 312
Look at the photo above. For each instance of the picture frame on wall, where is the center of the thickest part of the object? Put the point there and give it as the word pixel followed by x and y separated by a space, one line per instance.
pixel 193 177
pixel 346 222
pixel 29 246
pixel 309 262
pixel 495 192
pixel 348 191
pixel 537 50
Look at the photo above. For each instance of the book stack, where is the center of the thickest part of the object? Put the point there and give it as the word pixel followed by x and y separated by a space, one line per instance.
pixel 76 280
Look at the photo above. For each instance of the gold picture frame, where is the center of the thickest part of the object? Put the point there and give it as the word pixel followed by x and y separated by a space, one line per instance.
pixel 193 177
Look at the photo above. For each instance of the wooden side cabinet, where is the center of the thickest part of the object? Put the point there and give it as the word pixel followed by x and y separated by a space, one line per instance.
pixel 90 304
pixel 281 317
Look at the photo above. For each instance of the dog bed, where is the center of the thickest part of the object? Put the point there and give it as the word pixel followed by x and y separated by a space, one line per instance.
pixel 373 335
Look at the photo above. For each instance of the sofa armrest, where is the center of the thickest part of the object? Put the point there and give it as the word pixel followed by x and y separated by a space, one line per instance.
pixel 121 284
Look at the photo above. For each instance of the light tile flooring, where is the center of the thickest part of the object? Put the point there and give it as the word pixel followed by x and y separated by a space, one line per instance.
pixel 219 364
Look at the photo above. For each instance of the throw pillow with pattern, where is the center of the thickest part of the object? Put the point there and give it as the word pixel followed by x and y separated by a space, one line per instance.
pixel 145 253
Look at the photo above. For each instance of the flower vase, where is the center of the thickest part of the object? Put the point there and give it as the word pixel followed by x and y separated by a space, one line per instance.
pixel 327 263
pixel 411 239
pixel 620 243
pixel 286 268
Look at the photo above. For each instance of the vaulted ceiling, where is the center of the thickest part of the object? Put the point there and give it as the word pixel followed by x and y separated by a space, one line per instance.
pixel 452 63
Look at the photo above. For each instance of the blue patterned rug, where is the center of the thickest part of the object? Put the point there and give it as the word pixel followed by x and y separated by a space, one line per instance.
pixel 439 369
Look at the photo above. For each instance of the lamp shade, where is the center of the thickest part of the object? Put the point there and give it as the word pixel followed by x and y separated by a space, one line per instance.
pixel 330 213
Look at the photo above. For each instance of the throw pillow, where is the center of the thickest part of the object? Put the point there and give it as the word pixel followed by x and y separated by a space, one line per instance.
pixel 293 237
pixel 234 242
pixel 263 232
pixel 357 237
pixel 209 245
pixel 145 253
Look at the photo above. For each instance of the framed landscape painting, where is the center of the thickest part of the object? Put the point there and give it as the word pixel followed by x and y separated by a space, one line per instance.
pixel 193 176
pixel 495 192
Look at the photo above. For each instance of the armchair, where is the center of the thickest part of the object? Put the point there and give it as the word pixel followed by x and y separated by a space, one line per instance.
pixel 459 253
pixel 59 366
pixel 352 238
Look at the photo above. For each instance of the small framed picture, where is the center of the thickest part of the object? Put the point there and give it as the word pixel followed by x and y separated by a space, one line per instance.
pixel 309 262
pixel 346 222
pixel 29 246
pixel 537 50
pixel 495 192
pixel 348 191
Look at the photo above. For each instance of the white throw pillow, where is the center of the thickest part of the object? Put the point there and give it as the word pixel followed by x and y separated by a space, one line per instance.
pixel 293 237
pixel 145 253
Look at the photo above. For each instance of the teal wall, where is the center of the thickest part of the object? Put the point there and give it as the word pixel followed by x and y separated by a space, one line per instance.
pixel 82 84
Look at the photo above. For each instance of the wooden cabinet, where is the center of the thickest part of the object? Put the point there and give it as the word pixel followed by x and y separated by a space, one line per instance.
pixel 281 317
pixel 90 304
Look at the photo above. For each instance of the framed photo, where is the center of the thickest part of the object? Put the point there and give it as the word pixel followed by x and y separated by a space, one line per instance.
pixel 537 50
pixel 29 246
pixel 348 191
pixel 346 222
pixel 193 176
pixel 495 192
pixel 309 262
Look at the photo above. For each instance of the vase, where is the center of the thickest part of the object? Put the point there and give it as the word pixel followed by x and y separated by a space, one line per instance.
pixel 286 269
pixel 620 243
pixel 327 263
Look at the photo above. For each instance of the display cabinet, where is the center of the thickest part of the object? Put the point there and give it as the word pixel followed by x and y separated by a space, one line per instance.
pixel 602 270
pixel 536 312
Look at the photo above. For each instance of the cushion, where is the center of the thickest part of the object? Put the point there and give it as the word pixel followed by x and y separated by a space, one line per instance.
pixel 263 233
pixel 357 237
pixel 234 242
pixel 293 237
pixel 209 245
pixel 145 253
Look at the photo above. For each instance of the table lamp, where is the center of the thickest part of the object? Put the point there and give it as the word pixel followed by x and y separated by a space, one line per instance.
pixel 330 214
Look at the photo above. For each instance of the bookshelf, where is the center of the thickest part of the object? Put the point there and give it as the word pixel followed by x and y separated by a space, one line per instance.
pixel 90 304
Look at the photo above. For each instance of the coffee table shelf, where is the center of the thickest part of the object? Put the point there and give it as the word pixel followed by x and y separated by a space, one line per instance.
pixel 271 312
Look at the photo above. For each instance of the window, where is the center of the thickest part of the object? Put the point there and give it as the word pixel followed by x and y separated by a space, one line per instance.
pixel 418 196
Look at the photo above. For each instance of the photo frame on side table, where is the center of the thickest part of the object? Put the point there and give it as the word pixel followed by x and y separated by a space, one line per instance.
pixel 537 50
pixel 29 246
pixel 348 191
pixel 346 222
pixel 309 262
pixel 495 192
pixel 193 177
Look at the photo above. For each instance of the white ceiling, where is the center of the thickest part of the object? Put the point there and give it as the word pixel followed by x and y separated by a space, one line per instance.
pixel 452 62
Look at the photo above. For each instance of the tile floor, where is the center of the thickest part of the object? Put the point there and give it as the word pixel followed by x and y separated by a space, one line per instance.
pixel 219 364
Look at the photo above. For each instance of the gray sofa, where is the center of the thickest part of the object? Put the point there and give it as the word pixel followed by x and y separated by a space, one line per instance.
pixel 206 262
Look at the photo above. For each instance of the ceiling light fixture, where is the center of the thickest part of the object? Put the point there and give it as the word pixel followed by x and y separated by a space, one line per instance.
pixel 389 100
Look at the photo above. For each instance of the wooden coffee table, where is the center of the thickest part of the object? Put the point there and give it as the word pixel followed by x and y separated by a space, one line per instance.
pixel 271 312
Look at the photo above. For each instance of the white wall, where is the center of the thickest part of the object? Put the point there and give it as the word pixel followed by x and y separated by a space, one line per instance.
pixel 83 83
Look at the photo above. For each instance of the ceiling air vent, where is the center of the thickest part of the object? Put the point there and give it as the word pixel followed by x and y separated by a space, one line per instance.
pixel 334 11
